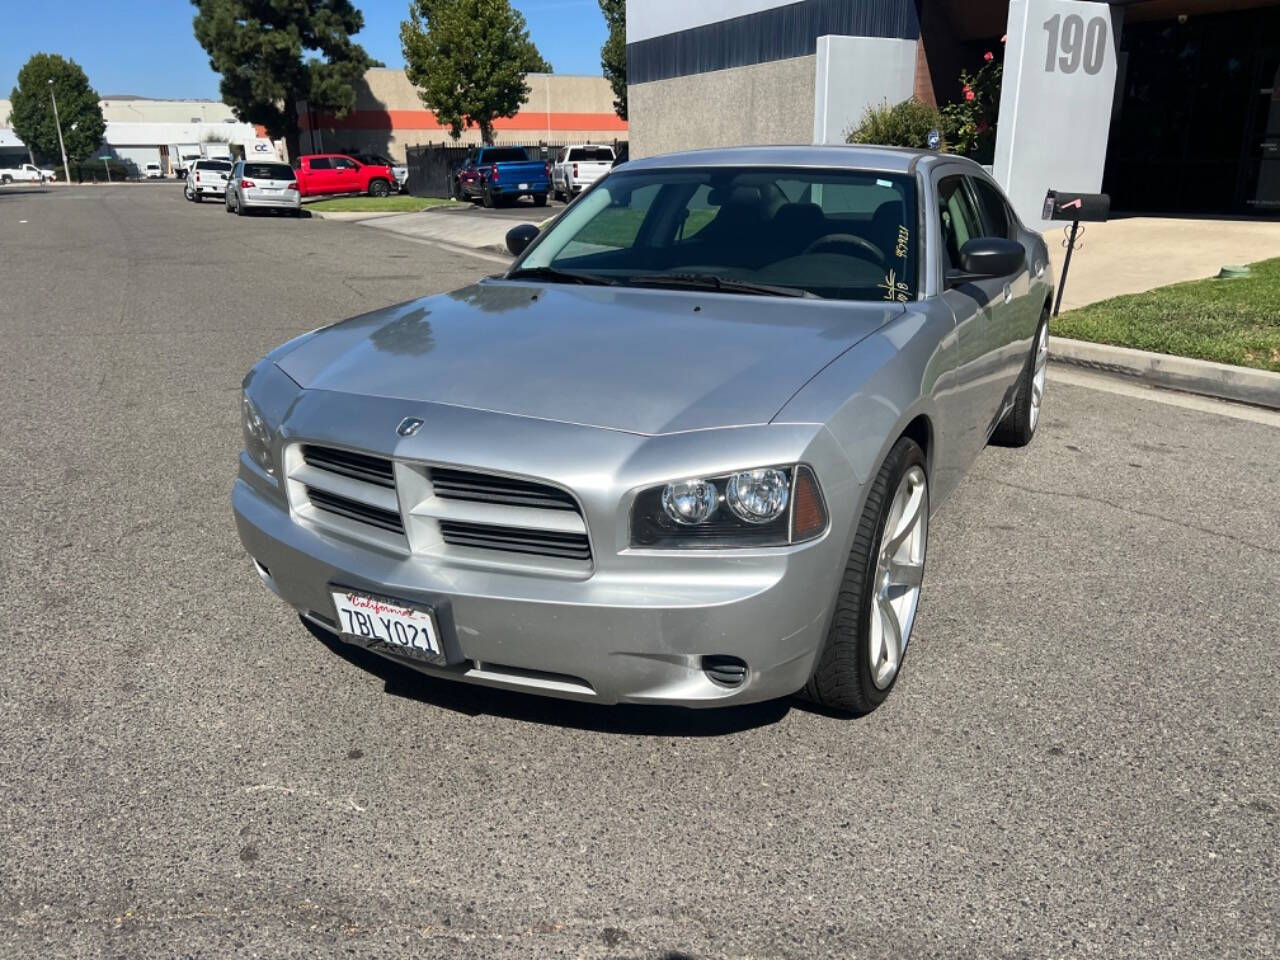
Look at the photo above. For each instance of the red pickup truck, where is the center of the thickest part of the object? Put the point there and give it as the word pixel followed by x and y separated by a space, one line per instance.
pixel 320 174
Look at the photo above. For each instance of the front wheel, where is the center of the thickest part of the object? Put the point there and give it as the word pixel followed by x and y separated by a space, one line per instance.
pixel 379 188
pixel 1019 424
pixel 877 599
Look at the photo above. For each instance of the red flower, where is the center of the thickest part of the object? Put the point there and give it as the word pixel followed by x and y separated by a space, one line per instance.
pixel 968 94
pixel 988 56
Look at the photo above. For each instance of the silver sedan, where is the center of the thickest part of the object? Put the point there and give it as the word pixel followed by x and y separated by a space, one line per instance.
pixel 685 451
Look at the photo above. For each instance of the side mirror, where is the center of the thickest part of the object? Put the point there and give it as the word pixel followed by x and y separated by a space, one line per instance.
pixel 519 238
pixel 987 258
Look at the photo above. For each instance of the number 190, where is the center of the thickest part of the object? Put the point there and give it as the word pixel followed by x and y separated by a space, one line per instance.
pixel 1071 43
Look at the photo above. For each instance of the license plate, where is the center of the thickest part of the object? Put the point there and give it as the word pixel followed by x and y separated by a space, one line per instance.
pixel 524 186
pixel 377 622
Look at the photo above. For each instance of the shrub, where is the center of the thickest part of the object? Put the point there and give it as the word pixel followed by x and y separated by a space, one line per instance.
pixel 906 124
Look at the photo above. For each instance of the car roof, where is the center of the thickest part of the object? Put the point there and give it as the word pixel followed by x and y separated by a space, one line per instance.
pixel 831 156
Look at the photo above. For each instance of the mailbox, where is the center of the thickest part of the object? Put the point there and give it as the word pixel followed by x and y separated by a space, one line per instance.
pixel 1084 207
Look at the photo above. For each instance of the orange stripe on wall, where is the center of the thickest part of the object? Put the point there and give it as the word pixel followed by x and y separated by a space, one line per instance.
pixel 426 120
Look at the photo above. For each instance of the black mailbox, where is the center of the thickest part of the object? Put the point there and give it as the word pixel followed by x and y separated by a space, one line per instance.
pixel 1084 207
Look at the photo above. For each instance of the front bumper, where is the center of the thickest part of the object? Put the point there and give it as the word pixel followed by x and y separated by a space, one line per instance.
pixel 613 638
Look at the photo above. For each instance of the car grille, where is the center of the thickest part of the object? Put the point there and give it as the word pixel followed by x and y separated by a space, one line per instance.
pixel 545 543
pixel 462 515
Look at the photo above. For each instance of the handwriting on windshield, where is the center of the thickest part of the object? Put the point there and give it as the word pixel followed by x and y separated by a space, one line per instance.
pixel 895 289
pixel 904 243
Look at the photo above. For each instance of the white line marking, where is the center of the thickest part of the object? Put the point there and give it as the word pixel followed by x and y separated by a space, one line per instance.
pixel 1188 401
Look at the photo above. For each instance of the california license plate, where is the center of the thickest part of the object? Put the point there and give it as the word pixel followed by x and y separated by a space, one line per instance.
pixel 378 623
pixel 524 186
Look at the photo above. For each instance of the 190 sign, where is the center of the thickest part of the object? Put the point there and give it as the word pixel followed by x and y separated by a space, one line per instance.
pixel 1072 44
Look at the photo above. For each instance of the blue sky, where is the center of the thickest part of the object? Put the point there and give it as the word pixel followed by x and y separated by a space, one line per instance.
pixel 149 48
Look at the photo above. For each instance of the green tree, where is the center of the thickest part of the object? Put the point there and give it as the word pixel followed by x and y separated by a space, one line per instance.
pixel 613 55
pixel 258 47
pixel 468 59
pixel 78 109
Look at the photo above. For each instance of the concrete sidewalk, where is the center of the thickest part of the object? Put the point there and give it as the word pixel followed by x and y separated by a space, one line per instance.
pixel 474 229
pixel 1140 253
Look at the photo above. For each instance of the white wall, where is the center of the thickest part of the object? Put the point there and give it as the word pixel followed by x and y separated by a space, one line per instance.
pixel 854 73
pixel 1055 107
pixel 655 18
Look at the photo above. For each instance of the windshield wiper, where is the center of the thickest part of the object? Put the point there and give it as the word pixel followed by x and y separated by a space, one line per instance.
pixel 713 281
pixel 553 275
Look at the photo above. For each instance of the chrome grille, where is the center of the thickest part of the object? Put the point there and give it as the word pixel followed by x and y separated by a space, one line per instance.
pixel 544 543
pixel 483 488
pixel 456 514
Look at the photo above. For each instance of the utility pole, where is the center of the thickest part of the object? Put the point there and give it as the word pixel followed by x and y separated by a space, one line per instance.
pixel 66 168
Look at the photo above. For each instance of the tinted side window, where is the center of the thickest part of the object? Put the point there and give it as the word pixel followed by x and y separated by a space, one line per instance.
pixel 343 163
pixel 995 212
pixel 960 222
pixel 321 163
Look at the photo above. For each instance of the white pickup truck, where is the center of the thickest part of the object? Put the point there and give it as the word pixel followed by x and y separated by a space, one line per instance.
pixel 578 167
pixel 25 173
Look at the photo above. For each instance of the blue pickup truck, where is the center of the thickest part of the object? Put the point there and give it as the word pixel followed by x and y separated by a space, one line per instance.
pixel 500 175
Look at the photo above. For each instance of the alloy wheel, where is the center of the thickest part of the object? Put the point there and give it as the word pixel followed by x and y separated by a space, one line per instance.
pixel 899 574
pixel 1038 377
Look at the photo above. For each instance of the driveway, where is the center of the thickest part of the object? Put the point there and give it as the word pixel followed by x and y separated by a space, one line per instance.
pixel 1080 759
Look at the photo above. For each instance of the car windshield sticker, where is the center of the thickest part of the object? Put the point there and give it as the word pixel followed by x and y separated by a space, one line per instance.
pixel 904 242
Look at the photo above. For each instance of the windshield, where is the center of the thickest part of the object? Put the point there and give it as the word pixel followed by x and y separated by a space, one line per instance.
pixel 848 235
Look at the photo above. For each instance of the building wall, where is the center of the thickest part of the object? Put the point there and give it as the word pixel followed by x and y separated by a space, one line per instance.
pixel 390 116
pixel 727 72
pixel 766 103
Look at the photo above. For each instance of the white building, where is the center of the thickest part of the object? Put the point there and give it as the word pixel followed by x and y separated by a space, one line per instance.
pixel 141 131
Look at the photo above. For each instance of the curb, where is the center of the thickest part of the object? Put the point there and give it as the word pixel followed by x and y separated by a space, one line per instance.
pixel 1222 380
pixel 351 216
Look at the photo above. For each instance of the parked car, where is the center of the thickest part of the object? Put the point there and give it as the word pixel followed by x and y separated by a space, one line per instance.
pixel 399 171
pixel 152 171
pixel 685 450
pixel 25 173
pixel 207 178
pixel 577 168
pixel 322 174
pixel 500 175
pixel 263 185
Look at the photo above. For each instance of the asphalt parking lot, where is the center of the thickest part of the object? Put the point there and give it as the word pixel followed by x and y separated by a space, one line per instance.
pixel 1081 758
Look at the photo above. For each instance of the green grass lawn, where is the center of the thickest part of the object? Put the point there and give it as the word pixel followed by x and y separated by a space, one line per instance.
pixel 399 203
pixel 1230 321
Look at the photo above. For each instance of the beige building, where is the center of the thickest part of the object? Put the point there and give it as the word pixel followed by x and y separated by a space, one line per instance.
pixel 389 116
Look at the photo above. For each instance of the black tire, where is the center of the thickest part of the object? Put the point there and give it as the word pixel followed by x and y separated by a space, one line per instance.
pixel 379 188
pixel 1019 425
pixel 6 179
pixel 240 210
pixel 842 678
pixel 488 199
pixel 229 207
pixel 539 199
pixel 197 197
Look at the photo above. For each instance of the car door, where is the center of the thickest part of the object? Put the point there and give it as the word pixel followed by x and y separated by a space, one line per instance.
pixel 1016 317
pixel 346 175
pixel 320 176
pixel 980 386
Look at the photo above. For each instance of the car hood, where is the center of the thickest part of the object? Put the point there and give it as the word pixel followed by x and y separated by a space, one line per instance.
pixel 640 360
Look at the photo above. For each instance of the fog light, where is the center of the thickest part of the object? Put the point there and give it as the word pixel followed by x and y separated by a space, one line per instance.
pixel 758 496
pixel 690 501
pixel 725 670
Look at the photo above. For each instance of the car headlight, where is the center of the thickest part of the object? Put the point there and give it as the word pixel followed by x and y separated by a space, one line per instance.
pixel 764 507
pixel 257 436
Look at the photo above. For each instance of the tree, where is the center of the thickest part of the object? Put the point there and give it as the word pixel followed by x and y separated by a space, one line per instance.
pixel 78 110
pixel 258 45
pixel 468 59
pixel 613 55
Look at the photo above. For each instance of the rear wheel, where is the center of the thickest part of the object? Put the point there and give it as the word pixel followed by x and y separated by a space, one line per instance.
pixel 6 179
pixel 379 188
pixel 1019 424
pixel 488 200
pixel 229 207
pixel 539 199
pixel 240 210
pixel 877 600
